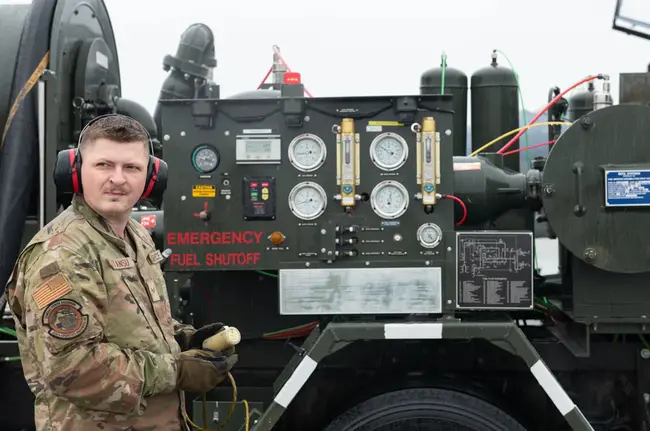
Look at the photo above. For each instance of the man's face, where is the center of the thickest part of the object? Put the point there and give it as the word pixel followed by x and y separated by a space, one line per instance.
pixel 113 176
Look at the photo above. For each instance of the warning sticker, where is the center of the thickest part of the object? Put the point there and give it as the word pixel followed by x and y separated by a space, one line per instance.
pixel 204 191
pixel 627 188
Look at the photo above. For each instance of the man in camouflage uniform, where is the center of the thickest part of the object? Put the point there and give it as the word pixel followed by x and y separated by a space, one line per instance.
pixel 99 348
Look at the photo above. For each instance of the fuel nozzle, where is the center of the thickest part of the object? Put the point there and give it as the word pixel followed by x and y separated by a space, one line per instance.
pixel 228 337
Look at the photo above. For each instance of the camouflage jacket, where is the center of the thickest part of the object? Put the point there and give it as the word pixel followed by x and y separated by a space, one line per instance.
pixel 94 327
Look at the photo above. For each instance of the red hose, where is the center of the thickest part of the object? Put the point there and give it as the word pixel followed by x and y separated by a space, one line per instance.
pixel 551 103
pixel 530 147
pixel 462 204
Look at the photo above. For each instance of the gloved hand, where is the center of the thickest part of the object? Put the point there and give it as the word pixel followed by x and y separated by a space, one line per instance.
pixel 201 370
pixel 194 339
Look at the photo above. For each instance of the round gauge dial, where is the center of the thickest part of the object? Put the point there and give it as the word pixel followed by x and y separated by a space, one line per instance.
pixel 389 151
pixel 389 199
pixel 429 235
pixel 307 152
pixel 307 200
pixel 205 159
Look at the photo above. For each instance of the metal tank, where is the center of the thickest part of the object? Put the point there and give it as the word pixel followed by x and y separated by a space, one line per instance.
pixel 455 83
pixel 582 102
pixel 495 108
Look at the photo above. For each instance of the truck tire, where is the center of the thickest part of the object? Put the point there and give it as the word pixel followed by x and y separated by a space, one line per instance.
pixel 424 409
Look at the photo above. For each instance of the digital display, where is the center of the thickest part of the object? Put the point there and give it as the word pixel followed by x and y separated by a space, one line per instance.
pixel 258 147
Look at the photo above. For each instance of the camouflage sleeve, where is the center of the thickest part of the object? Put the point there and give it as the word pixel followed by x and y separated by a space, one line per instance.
pixel 182 327
pixel 66 302
pixel 183 333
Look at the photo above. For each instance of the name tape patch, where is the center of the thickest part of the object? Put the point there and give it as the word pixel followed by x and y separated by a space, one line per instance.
pixel 123 263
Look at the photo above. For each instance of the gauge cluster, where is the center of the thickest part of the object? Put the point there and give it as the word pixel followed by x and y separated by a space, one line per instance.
pixel 346 183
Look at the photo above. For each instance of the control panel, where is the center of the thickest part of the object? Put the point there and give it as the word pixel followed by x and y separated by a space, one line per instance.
pixel 295 183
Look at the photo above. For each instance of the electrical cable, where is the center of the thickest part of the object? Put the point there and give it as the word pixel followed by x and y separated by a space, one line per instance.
pixel 521 97
pixel 519 150
pixel 512 132
pixel 546 108
pixel 462 204
pixel 230 414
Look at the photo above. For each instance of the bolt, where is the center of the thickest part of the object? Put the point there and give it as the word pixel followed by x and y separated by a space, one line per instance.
pixel 646 397
pixel 586 122
pixel 590 254
pixel 645 353
pixel 549 190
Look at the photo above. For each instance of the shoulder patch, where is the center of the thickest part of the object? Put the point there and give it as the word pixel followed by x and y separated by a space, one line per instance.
pixel 50 290
pixel 64 319
pixel 123 263
pixel 154 257
pixel 49 270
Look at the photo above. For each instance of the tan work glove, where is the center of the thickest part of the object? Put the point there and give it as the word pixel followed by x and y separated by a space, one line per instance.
pixel 201 370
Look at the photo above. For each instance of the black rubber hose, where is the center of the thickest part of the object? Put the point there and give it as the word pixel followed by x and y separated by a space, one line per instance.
pixel 19 154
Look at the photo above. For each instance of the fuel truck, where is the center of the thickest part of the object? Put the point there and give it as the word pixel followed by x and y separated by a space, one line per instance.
pixel 381 275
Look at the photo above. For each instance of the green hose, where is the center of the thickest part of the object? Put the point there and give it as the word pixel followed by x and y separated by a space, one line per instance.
pixel 443 64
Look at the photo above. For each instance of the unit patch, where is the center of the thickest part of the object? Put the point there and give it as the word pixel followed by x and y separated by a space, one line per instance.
pixel 123 263
pixel 52 289
pixel 65 319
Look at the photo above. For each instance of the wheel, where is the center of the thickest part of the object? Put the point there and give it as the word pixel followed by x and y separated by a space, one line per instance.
pixel 424 409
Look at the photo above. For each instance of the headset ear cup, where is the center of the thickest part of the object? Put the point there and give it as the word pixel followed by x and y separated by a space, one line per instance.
pixel 156 182
pixel 67 172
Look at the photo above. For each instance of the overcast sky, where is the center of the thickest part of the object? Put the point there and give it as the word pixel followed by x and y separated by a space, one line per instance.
pixel 365 47
pixel 369 47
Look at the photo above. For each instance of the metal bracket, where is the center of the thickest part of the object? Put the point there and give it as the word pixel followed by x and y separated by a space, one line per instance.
pixel 504 334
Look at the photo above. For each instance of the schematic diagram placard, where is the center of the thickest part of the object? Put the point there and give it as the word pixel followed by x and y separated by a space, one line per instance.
pixel 494 270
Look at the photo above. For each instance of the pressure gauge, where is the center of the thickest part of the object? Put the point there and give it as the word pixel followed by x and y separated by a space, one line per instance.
pixel 429 235
pixel 307 152
pixel 389 151
pixel 307 200
pixel 205 159
pixel 389 199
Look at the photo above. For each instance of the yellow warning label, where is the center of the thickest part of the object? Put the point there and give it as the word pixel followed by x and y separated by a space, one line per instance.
pixel 204 191
pixel 385 123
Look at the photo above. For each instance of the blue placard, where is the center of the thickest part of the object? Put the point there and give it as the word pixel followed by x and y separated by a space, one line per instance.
pixel 627 188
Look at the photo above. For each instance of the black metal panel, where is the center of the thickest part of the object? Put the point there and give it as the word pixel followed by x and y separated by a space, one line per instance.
pixel 604 296
pixel 205 222
pixel 634 88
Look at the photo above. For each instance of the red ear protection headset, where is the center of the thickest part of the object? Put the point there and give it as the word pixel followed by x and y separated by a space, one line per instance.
pixel 67 169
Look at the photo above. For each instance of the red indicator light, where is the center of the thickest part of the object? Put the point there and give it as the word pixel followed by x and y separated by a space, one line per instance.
pixel 292 78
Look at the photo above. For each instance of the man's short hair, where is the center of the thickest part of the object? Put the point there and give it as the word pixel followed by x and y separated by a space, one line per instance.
pixel 118 128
